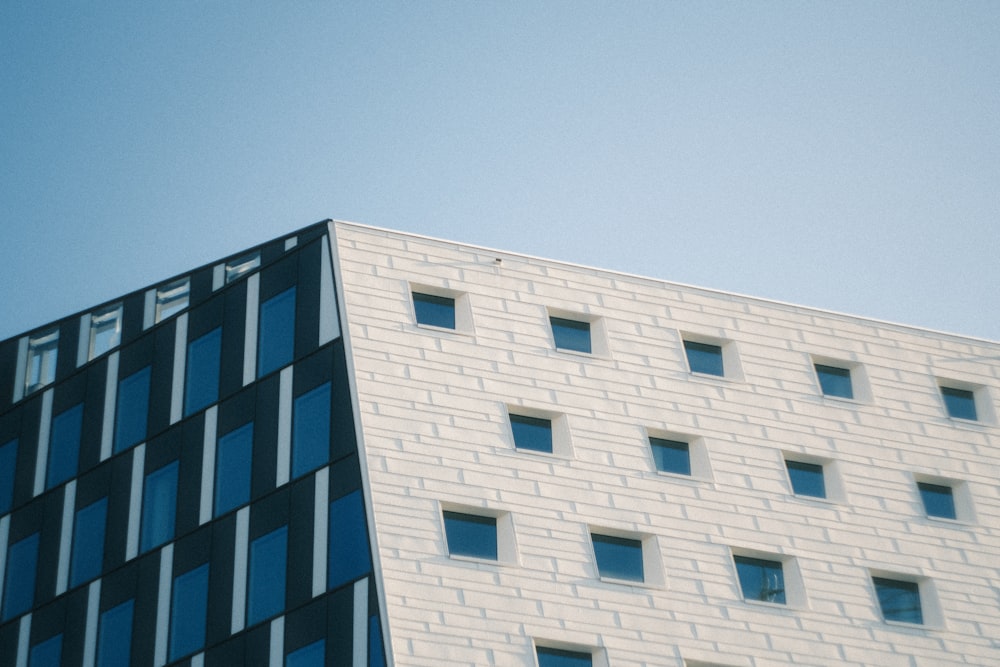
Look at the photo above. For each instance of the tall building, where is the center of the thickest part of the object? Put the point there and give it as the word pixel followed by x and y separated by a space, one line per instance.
pixel 353 446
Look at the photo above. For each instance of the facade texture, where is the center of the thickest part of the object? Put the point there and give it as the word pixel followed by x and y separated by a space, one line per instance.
pixel 352 446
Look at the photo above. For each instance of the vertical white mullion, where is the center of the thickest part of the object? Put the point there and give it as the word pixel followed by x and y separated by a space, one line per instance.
pixel 242 543
pixel 149 309
pixel 83 341
pixel 361 623
pixel 23 637
pixel 21 369
pixel 277 642
pixel 135 502
pixel 250 335
pixel 4 536
pixel 163 605
pixel 284 463
pixel 198 660
pixel 208 465
pixel 321 528
pixel 66 538
pixel 218 276
pixel 44 431
pixel 291 242
pixel 180 358
pixel 329 324
pixel 110 397
pixel 90 634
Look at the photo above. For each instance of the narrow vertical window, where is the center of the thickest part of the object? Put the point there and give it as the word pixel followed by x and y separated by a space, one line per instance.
pixel 133 409
pixel 276 340
pixel 88 542
pixel 172 298
pixel 43 350
pixel 105 330
pixel 233 459
pixel 311 430
pixel 19 582
pixel 241 266
pixel 8 466
pixel 114 640
pixel 47 653
pixel 201 386
pixel 348 555
pixel 313 655
pixel 188 612
pixel 159 507
pixel 64 445
pixel 268 563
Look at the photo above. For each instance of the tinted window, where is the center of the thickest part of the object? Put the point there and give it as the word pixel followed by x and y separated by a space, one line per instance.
pixel 201 387
pixel 618 557
pixel 159 507
pixel 133 406
pixel 671 456
pixel 349 556
pixel 233 458
pixel 376 653
pixel 532 433
pixel 313 655
pixel 760 579
pixel 64 445
pixel 46 654
pixel 554 657
pixel 172 298
pixel 105 330
pixel 806 478
pixel 961 403
pixel 188 612
pixel 938 500
pixel 268 562
pixel 19 582
pixel 570 334
pixel 88 542
pixel 835 381
pixel 43 350
pixel 241 266
pixel 704 358
pixel 435 311
pixel 8 466
pixel 114 643
pixel 311 430
pixel 470 535
pixel 899 600
pixel 276 342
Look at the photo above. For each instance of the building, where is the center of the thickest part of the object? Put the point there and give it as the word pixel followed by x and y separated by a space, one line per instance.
pixel 353 446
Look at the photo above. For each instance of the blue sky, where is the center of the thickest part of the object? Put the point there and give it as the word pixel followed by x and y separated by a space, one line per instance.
pixel 842 155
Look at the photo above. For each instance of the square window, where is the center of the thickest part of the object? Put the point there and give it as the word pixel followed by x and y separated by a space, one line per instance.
pixel 807 479
pixel 618 557
pixel 556 657
pixel 938 500
pixel 471 535
pixel 43 351
pixel 172 298
pixel 899 600
pixel 835 381
pixel 761 580
pixel 532 433
pixel 671 456
pixel 433 310
pixel 241 266
pixel 571 334
pixel 960 403
pixel 704 358
pixel 105 330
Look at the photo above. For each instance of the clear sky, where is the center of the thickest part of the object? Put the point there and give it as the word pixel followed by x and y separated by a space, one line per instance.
pixel 842 155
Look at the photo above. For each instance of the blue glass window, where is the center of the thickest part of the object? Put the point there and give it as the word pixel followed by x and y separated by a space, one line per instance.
pixel 704 358
pixel 570 334
pixel 268 563
pixel 114 641
pixel 532 433
pixel 188 612
pixel 762 580
pixel 88 542
pixel 618 557
pixel 555 657
pixel 311 430
pixel 133 407
pixel 435 311
pixel 961 403
pixel 671 456
pixel 276 341
pixel 47 653
pixel 835 381
pixel 233 458
pixel 938 500
pixel 64 445
pixel 471 535
pixel 376 654
pixel 201 386
pixel 899 600
pixel 19 583
pixel 807 479
pixel 159 507
pixel 348 538
pixel 313 655
pixel 8 466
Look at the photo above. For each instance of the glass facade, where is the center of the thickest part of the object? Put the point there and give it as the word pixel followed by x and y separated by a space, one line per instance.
pixel 188 612
pixel 159 507
pixel 133 409
pixel 114 641
pixel 201 387
pixel 64 445
pixel 19 582
pixel 276 341
pixel 47 653
pixel 311 430
pixel 899 600
pixel 349 556
pixel 313 655
pixel 268 566
pixel 233 460
pixel 8 463
pixel 88 542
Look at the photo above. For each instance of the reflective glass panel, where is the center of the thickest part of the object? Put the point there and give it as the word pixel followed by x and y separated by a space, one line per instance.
pixel 276 340
pixel 554 657
pixel 19 582
pixel 201 386
pixel 435 311
pixel 471 535
pixel 348 538
pixel 47 653
pixel 762 580
pixel 313 655
pixel 172 298
pixel 618 557
pixel 704 358
pixel 671 456
pixel 376 653
pixel 114 642
pixel 133 408
pixel 311 430
pixel 233 457
pixel 899 600
pixel 268 562
pixel 807 479
pixel 938 500
pixel 188 612
pixel 64 445
pixel 835 381
pixel 88 542
pixel 240 266
pixel 532 433
pixel 8 466
pixel 159 507
pixel 570 334
pixel 43 351
pixel 105 330
pixel 961 403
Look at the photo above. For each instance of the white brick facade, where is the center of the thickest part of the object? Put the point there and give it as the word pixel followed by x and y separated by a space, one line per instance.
pixel 433 407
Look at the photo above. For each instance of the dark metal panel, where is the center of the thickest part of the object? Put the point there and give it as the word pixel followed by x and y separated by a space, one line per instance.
pixel 258 646
pixel 265 438
pixel 160 383
pixel 220 581
pixel 205 317
pixel 342 433
pixel 300 541
pixel 8 369
pixel 307 300
pixel 69 332
pixel 193 550
pixel 279 276
pixel 340 627
pixel 27 449
pixel 48 546
pixel 233 337
pixel 269 513
pixel 272 251
pixel 118 507
pixel 305 625
pixel 201 286
pixel 144 621
pixel 228 654
pixel 133 311
pixel 93 414
pixel 192 439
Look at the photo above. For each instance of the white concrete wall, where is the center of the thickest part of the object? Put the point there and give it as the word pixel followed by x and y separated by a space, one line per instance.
pixel 432 406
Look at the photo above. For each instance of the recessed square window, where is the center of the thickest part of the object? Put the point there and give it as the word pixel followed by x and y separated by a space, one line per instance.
pixel 434 310
pixel 571 334
pixel 835 381
pixel 761 580
pixel 241 266
pixel 556 657
pixel 618 557
pixel 938 500
pixel 704 358
pixel 105 330
pixel 960 403
pixel 899 600
pixel 671 456
pixel 43 350
pixel 172 298
pixel 532 433
pixel 806 478
pixel 471 535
